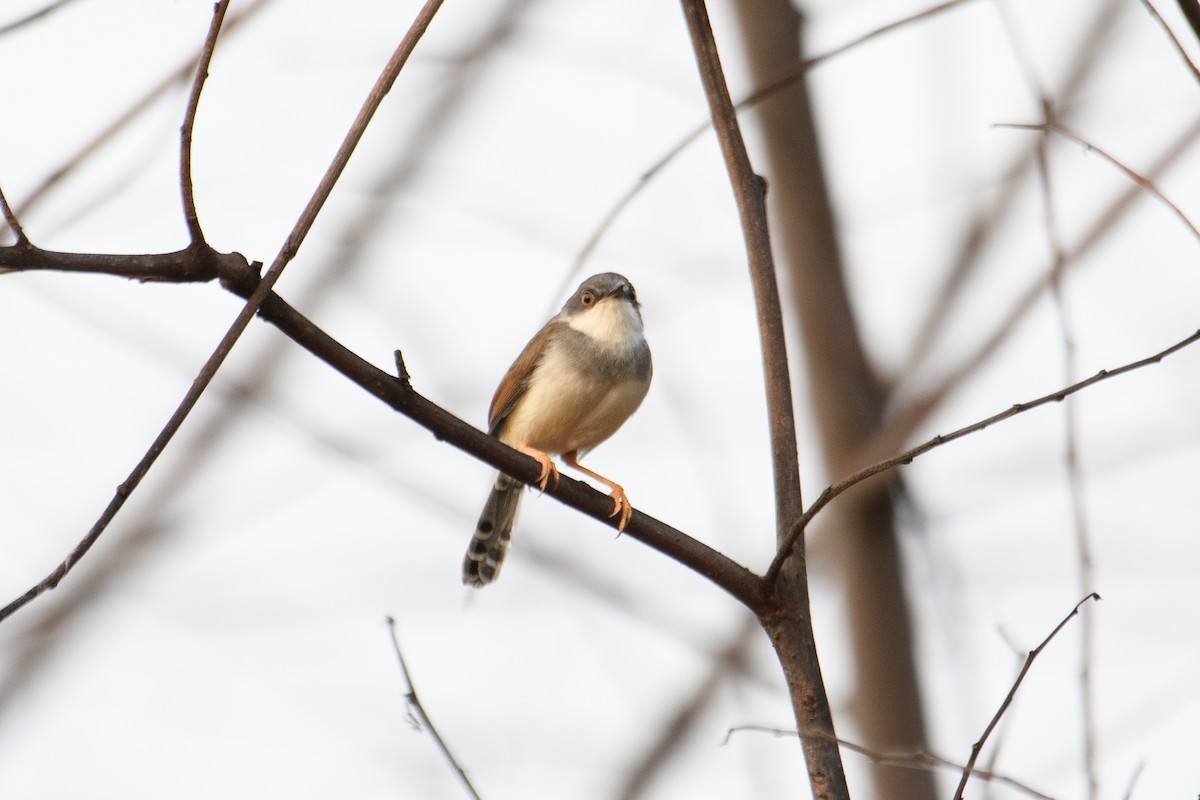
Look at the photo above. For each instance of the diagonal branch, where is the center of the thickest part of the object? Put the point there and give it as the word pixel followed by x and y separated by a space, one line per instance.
pixel 970 767
pixel 423 718
pixel 907 456
pixel 1132 174
pixel 253 305
pixel 1191 10
pixel 14 224
pixel 240 278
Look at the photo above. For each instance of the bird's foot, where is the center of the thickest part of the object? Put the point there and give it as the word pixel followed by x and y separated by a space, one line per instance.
pixel 622 506
pixel 548 468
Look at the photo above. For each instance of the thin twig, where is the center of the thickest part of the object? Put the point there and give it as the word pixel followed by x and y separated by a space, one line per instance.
pixel 1131 173
pixel 33 16
pixel 189 123
pixel 422 717
pixel 1186 5
pixel 937 441
pixel 253 305
pixel 1033 654
pixel 14 224
pixel 913 759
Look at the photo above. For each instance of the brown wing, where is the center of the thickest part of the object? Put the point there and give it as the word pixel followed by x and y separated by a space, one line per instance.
pixel 516 381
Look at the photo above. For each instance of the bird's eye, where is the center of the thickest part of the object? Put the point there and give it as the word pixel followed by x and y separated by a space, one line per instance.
pixel 587 298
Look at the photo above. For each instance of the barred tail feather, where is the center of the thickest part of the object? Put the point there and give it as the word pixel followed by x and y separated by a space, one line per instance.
pixel 485 553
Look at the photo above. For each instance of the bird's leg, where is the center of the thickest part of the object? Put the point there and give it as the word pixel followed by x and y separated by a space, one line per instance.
pixel 621 504
pixel 544 459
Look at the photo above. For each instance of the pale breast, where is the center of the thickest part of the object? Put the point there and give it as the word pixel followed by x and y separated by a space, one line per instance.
pixel 580 393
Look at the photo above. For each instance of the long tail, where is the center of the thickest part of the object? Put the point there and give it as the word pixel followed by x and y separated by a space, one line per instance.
pixel 485 553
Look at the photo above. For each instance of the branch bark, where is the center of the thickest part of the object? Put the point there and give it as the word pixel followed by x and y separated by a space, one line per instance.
pixel 787 617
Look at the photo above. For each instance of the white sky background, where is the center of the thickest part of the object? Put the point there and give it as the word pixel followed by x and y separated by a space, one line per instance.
pixel 226 637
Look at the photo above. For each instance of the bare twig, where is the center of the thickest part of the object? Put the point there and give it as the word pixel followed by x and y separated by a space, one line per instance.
pixel 1131 173
pixel 937 441
pixel 1190 9
pixel 422 716
pixel 14 224
pixel 914 759
pixel 1033 654
pixel 33 16
pixel 189 123
pixel 252 307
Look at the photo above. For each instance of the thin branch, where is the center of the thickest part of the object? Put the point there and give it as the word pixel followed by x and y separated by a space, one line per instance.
pixel 1191 10
pixel 14 224
pixel 937 441
pixel 33 16
pixel 422 717
pixel 252 307
pixel 189 123
pixel 1033 654
pixel 914 759
pixel 1131 173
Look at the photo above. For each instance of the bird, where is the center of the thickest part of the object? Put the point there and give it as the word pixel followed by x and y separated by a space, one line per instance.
pixel 575 383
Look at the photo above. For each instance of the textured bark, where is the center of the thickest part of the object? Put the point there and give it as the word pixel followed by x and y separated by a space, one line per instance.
pixel 848 401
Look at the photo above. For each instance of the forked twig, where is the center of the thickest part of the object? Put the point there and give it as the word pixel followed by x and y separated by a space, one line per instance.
pixel 253 305
pixel 907 456
pixel 418 711
pixel 1033 654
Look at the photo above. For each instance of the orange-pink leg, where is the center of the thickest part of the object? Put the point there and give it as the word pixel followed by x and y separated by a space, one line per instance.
pixel 621 504
pixel 548 467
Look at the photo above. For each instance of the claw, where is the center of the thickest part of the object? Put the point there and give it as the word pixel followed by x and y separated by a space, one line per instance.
pixel 547 463
pixel 622 506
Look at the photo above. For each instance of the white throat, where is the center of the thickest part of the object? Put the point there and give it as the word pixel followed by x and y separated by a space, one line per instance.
pixel 613 320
